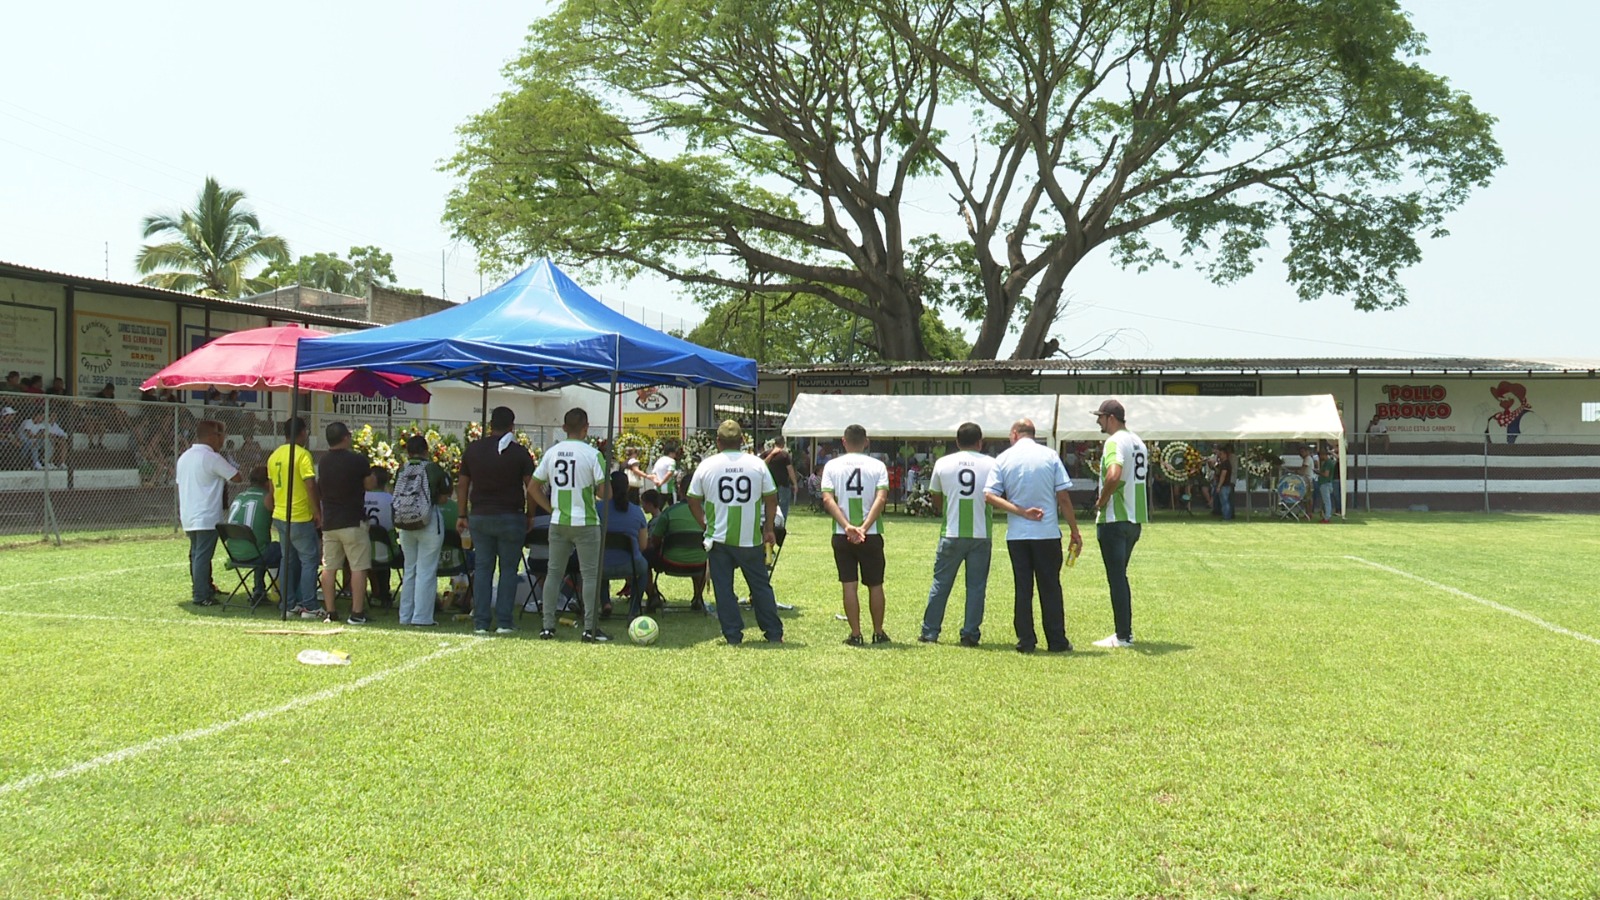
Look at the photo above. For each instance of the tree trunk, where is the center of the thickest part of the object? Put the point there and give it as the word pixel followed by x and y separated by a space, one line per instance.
pixel 899 326
pixel 1001 297
pixel 1046 305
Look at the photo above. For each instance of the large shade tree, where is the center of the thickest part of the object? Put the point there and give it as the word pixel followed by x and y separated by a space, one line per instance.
pixel 890 155
pixel 212 248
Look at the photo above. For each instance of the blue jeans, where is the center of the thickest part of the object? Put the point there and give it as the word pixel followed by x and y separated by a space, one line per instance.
pixel 1224 498
pixel 636 571
pixel 785 500
pixel 419 585
pixel 1116 546
pixel 202 547
pixel 752 562
pixel 1325 491
pixel 952 553
pixel 302 553
pixel 271 558
pixel 495 539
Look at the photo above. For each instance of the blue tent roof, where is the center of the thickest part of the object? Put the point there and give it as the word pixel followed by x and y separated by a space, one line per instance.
pixel 539 330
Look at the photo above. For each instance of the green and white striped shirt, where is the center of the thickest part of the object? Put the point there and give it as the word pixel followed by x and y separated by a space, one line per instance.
pixel 1129 503
pixel 572 469
pixel 732 486
pixel 854 480
pixel 959 478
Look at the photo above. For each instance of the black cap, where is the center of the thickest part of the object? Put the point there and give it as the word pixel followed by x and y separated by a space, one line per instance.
pixel 1112 408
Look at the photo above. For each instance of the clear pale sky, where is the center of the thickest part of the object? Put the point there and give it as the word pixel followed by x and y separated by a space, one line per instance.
pixel 332 117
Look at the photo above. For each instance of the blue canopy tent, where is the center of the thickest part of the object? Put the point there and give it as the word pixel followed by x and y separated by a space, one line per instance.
pixel 539 330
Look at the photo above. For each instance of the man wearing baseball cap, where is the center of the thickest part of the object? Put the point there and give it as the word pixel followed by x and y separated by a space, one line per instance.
pixel 1121 509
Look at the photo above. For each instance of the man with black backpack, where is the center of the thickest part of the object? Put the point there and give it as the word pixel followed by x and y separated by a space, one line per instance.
pixel 419 488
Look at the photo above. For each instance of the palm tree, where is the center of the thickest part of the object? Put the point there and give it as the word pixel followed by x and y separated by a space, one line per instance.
pixel 214 244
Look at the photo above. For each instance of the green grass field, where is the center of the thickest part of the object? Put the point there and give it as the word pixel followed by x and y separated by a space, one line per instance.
pixel 1295 722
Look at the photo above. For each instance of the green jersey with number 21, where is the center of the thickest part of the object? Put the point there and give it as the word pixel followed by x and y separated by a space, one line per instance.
pixel 1129 503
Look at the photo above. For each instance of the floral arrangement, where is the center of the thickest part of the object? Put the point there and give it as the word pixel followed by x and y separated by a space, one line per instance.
pixel 1179 461
pixel 474 431
pixel 1090 458
pixel 696 447
pixel 1260 464
pixel 378 449
pixel 920 502
pixel 637 444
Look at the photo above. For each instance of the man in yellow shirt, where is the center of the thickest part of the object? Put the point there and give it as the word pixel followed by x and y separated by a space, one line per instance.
pixel 297 514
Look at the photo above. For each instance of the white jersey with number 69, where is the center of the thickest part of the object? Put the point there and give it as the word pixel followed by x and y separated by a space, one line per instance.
pixel 731 485
pixel 1129 503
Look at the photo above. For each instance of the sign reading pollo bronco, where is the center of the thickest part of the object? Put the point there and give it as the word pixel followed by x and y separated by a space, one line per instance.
pixel 1414 401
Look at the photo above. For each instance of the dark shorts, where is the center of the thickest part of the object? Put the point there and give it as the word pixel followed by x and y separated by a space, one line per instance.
pixel 865 558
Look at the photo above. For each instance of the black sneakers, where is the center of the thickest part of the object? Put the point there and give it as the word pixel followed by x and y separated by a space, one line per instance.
pixel 548 634
pixel 879 637
pixel 854 640
pixel 595 637
pixel 969 641
pixel 359 618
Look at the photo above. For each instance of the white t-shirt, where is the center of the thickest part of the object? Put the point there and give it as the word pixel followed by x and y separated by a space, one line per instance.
pixel 1129 503
pixel 665 473
pixel 572 469
pixel 31 430
pixel 854 480
pixel 731 485
pixel 202 476
pixel 960 478
pixel 380 509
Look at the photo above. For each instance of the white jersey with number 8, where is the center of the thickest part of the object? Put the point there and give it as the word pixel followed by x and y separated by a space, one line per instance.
pixel 1129 503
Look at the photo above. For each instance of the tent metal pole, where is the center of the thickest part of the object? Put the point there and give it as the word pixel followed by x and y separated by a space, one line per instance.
pixel 608 458
pixel 288 505
pixel 485 404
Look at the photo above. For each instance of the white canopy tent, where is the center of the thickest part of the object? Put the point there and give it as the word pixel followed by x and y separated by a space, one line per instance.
pixel 1170 417
pixel 919 417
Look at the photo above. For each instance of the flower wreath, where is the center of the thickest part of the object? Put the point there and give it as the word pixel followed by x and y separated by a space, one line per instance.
pixel 1179 461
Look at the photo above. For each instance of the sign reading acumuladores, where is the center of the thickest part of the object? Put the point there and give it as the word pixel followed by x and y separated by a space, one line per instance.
pixel 118 349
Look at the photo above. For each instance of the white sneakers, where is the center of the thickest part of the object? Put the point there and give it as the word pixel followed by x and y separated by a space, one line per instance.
pixel 1112 642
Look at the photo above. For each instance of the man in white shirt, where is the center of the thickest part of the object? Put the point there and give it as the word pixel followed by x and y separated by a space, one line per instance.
pixel 575 473
pixel 957 483
pixel 43 441
pixel 731 495
pixel 1030 484
pixel 202 483
pixel 855 489
pixel 1121 508
pixel 665 472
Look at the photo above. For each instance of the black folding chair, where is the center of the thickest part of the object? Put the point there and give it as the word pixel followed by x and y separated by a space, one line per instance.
pixel 678 540
pixel 616 540
pixel 245 566
pixel 536 568
pixel 386 560
pixel 453 561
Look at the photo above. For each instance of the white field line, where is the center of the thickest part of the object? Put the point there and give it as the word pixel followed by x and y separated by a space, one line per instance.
pixel 94 574
pixel 243 625
pixel 162 743
pixel 1500 607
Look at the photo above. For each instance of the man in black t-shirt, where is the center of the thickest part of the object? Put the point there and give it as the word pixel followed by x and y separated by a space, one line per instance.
pixel 343 479
pixel 781 465
pixel 1222 488
pixel 492 493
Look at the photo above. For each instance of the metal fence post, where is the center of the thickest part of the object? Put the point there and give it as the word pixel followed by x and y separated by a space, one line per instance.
pixel 1486 472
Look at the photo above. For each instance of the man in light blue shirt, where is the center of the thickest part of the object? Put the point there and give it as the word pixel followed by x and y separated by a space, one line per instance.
pixel 1030 485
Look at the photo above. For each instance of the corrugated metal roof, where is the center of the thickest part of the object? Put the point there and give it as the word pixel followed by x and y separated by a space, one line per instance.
pixel 125 289
pixel 1259 366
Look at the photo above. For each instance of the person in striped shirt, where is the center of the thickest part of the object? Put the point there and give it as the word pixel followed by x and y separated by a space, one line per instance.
pixel 734 499
pixel 1121 508
pixel 576 475
pixel 855 488
pixel 957 482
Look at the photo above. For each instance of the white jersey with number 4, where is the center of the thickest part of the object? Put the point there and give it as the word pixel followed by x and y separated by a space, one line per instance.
pixel 960 478
pixel 854 480
pixel 731 485
pixel 572 469
pixel 1129 503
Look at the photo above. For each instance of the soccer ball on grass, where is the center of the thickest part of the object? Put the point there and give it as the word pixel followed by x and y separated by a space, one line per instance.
pixel 644 630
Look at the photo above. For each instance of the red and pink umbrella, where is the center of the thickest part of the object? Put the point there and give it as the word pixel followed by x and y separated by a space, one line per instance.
pixel 263 359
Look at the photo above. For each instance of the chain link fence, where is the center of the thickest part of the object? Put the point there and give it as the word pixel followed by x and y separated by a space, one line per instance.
pixel 81 467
